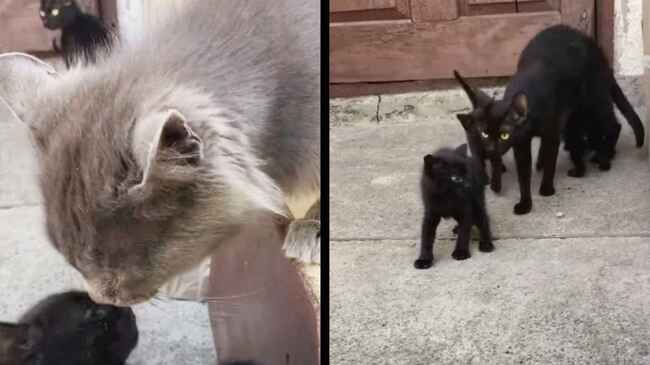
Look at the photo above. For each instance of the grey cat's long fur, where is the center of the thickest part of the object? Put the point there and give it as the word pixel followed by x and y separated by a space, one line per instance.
pixel 154 156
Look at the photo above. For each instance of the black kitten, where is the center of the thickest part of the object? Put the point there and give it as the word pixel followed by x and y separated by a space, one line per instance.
pixel 69 329
pixel 453 186
pixel 82 35
pixel 563 89
pixel 477 136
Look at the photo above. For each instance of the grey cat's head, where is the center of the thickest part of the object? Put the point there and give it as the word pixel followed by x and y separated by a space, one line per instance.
pixel 130 197
pixel 69 328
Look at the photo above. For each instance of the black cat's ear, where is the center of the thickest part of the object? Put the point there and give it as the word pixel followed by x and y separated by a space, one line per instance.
pixel 428 159
pixel 520 107
pixel 462 150
pixel 476 96
pixel 466 120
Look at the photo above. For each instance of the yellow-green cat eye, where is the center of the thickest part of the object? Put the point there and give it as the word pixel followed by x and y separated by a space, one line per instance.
pixel 484 135
pixel 55 12
pixel 505 136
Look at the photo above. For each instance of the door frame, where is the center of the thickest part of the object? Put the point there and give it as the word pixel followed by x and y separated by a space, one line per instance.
pixel 604 31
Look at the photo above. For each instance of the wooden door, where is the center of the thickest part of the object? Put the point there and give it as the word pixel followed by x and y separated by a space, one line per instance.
pixel 21 28
pixel 400 40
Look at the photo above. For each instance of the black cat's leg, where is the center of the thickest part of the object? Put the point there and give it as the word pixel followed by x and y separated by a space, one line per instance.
pixel 429 226
pixel 461 252
pixel 551 147
pixel 577 146
pixel 483 223
pixel 523 161
pixel 497 171
pixel 484 174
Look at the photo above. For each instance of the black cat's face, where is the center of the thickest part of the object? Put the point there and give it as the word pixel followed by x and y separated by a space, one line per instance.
pixel 447 170
pixel 56 13
pixel 69 328
pixel 496 126
pixel 493 126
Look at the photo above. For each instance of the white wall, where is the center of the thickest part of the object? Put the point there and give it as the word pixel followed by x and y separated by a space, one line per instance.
pixel 628 39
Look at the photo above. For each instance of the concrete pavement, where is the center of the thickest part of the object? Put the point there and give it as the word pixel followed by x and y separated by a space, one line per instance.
pixel 569 290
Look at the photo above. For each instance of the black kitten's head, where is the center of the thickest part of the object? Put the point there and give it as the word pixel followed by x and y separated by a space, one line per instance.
pixel 493 125
pixel 69 328
pixel 448 170
pixel 55 14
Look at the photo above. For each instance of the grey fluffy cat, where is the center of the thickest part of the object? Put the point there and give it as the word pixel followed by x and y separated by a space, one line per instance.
pixel 161 151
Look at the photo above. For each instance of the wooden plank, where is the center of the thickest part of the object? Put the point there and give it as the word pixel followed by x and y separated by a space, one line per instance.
pixel 579 14
pixel 369 10
pixel 474 2
pixel 428 10
pixel 477 46
pixel 605 27
pixel 467 9
pixel 539 5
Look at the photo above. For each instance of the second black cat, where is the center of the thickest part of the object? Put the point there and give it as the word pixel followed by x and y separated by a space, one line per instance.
pixel 69 329
pixel 82 35
pixel 453 186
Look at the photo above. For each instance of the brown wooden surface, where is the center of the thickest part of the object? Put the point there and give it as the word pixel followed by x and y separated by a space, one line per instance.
pixel 476 46
pixel 480 38
pixel 260 309
pixel 605 27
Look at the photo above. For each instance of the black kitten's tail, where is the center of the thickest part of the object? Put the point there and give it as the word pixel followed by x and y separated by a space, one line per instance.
pixel 628 111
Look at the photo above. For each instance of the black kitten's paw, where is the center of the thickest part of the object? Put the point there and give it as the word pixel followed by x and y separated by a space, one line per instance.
pixel 539 165
pixel 422 264
pixel 577 172
pixel 523 207
pixel 485 246
pixel 546 190
pixel 460 254
pixel 455 230
pixel 495 186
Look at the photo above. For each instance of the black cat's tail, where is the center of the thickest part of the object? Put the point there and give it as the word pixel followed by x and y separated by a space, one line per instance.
pixel 628 112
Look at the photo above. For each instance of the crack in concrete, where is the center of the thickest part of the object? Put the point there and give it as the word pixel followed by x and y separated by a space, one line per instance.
pixel 645 234
pixel 378 104
pixel 8 207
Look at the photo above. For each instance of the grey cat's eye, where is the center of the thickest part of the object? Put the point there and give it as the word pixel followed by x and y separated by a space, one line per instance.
pixel 455 178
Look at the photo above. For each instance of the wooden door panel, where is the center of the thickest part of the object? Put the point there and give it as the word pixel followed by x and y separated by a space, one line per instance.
pixel 480 38
pixel 366 10
pixel 476 46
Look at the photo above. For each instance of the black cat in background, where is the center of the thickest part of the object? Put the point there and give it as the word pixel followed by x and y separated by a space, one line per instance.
pixel 82 35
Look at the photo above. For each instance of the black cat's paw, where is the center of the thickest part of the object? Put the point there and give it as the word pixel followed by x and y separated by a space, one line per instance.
pixel 495 186
pixel 604 166
pixel 485 246
pixel 455 230
pixel 577 172
pixel 523 207
pixel 422 264
pixel 503 168
pixel 539 165
pixel 545 190
pixel 460 254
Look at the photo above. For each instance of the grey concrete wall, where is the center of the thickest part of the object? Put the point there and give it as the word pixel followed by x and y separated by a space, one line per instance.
pixel 628 40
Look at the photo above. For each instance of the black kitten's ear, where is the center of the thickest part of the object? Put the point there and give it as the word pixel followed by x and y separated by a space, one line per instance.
pixel 476 96
pixel 520 107
pixel 428 159
pixel 462 150
pixel 16 339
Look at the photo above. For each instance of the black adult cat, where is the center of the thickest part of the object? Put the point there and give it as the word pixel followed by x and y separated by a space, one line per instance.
pixel 69 329
pixel 453 186
pixel 82 35
pixel 563 88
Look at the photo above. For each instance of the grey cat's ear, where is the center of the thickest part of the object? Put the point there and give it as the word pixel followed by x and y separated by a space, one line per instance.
pixel 466 120
pixel 165 137
pixel 21 76
pixel 476 96
pixel 520 107
pixel 462 150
